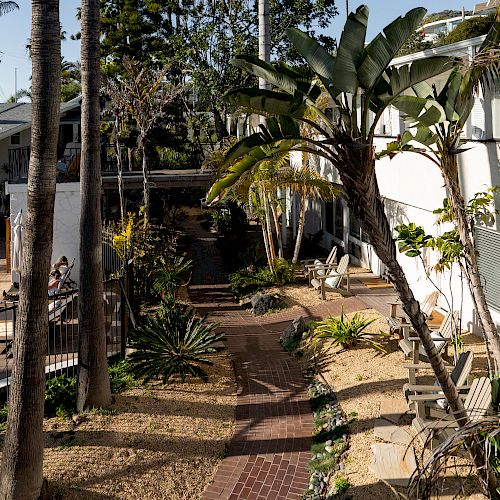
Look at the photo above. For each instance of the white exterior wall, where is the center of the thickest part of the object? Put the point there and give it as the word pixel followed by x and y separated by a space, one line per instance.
pixel 66 239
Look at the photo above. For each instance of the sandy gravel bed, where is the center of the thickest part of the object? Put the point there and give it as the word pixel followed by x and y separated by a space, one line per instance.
pixel 363 379
pixel 161 442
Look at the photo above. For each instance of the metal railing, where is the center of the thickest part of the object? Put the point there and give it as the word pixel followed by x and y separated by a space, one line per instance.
pixel 68 166
pixel 62 334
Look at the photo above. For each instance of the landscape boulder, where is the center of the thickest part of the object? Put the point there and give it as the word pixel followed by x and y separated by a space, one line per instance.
pixel 264 302
pixel 293 332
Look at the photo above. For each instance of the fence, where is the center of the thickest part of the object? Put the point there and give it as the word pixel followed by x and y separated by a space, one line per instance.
pixel 62 333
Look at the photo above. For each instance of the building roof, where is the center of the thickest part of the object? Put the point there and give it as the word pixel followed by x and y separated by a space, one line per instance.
pixel 16 117
pixel 486 6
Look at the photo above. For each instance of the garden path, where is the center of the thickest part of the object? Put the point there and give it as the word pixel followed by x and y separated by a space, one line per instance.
pixel 267 457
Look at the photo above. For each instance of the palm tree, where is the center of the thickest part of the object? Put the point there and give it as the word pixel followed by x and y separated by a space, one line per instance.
pixel 359 79
pixel 21 469
pixel 440 118
pixel 308 184
pixel 93 378
pixel 7 6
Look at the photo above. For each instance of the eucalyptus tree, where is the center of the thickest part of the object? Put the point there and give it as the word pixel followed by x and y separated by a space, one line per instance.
pixel 21 469
pixel 439 119
pixel 93 387
pixel 361 82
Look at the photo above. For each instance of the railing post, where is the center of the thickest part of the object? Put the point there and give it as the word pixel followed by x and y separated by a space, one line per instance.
pixel 123 319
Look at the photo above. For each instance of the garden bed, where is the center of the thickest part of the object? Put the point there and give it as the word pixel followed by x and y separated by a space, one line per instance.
pixel 367 382
pixel 155 442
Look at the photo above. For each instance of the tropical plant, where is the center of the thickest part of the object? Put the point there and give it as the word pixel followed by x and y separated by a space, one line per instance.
pixel 93 378
pixel 174 341
pixel 168 273
pixel 7 6
pixel 347 332
pixel 21 471
pixel 439 118
pixel 60 394
pixel 359 80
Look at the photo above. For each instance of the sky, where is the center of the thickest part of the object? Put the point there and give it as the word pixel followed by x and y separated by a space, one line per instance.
pixel 15 31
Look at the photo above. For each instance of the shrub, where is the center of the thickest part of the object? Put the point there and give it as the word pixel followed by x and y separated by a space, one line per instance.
pixel 60 395
pixel 347 332
pixel 168 273
pixel 248 280
pixel 174 341
pixel 120 377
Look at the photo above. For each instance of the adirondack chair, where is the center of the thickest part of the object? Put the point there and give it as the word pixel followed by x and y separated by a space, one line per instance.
pixel 310 264
pixel 477 404
pixel 428 304
pixel 416 393
pixel 441 337
pixel 332 279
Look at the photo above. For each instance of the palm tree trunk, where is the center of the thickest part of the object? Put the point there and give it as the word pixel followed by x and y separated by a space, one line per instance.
pixel 269 229
pixel 93 378
pixel 449 171
pixel 21 469
pixel 278 230
pixel 363 195
pixel 266 243
pixel 300 230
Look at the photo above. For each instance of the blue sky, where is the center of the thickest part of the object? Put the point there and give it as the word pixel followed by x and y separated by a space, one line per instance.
pixel 15 30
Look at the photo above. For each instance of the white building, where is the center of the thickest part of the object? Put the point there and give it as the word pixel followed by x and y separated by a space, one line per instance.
pixel 412 187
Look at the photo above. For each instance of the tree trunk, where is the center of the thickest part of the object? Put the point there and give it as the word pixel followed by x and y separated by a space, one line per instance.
pixel 269 230
pixel 93 377
pixel 449 171
pixel 278 231
pixel 21 469
pixel 119 164
pixel 363 196
pixel 145 180
pixel 266 243
pixel 300 230
pixel 220 126
pixel 130 160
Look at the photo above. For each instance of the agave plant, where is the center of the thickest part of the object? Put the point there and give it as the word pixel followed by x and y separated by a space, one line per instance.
pixel 347 332
pixel 174 341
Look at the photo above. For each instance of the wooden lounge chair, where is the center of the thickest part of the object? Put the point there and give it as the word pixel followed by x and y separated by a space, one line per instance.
pixel 477 404
pixel 435 408
pixel 428 304
pixel 332 279
pixel 310 264
pixel 442 336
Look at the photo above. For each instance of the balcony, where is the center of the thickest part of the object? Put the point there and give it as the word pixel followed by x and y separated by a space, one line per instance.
pixel 68 166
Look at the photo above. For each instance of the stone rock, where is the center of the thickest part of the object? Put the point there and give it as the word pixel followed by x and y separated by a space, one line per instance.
pixel 391 433
pixel 293 332
pixel 262 303
pixel 393 463
pixel 393 410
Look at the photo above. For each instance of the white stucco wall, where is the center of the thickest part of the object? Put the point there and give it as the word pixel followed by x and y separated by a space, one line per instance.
pixel 66 239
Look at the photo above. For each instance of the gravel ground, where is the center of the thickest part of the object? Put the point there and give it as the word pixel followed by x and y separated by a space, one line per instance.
pixel 363 379
pixel 161 442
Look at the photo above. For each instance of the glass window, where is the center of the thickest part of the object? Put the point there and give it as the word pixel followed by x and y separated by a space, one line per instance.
pixel 15 139
pixel 329 217
pixel 495 109
pixel 339 219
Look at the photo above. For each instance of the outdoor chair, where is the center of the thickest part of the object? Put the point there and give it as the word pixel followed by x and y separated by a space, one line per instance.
pixel 311 264
pixel 477 404
pixel 332 277
pixel 428 304
pixel 441 337
pixel 417 394
pixel 65 281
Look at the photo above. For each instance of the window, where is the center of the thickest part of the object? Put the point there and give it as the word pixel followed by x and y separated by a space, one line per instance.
pixel 354 227
pixel 66 133
pixel 329 217
pixel 488 245
pixel 15 139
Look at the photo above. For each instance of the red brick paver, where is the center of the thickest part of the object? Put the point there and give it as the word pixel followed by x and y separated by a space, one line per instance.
pixel 267 457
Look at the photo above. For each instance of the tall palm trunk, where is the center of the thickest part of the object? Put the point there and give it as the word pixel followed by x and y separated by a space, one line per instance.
pixel 269 228
pixel 21 469
pixel 363 195
pixel 450 175
pixel 93 378
pixel 277 228
pixel 300 229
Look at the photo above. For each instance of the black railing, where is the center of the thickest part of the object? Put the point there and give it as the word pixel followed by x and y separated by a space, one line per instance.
pixel 68 166
pixel 62 334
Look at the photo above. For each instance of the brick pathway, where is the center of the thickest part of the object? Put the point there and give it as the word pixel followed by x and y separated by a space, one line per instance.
pixel 269 451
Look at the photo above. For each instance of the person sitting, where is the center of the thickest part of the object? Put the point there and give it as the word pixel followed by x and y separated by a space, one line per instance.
pixel 54 280
pixel 61 265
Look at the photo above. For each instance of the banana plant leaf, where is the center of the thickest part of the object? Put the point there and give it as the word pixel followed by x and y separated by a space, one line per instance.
pixel 268 102
pixel 381 51
pixel 419 110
